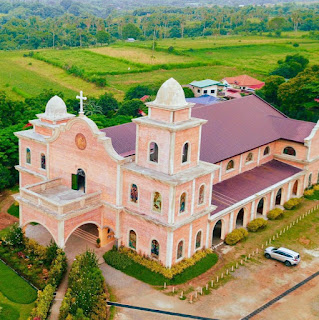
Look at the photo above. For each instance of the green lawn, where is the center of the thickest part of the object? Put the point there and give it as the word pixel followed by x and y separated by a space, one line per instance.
pixel 14 210
pixel 16 295
pixel 133 269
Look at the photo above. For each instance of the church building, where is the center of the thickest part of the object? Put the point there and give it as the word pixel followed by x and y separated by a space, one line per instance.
pixel 166 184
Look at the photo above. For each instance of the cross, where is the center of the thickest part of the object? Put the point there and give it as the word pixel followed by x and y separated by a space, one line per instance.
pixel 81 98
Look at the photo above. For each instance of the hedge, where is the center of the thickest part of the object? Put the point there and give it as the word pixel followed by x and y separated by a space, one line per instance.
pixel 235 236
pixel 43 303
pixel 126 264
pixel 256 224
pixel 292 203
pixel 275 214
pixel 86 294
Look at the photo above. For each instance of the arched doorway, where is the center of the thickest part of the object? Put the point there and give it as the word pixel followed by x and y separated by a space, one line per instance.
pixel 217 233
pixel 260 206
pixel 295 188
pixel 240 218
pixel 38 232
pixel 278 197
pixel 85 237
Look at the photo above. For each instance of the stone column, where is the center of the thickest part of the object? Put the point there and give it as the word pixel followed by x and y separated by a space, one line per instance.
pixel 61 243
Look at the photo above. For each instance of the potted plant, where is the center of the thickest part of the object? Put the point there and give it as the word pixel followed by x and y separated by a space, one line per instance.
pixel 98 242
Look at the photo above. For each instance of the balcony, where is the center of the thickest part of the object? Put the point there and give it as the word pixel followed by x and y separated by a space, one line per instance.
pixel 55 198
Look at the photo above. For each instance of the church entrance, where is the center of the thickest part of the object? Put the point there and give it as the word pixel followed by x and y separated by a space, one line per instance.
pixel 78 180
pixel 260 206
pixel 240 218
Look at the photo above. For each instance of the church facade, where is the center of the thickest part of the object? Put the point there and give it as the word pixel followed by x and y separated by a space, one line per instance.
pixel 169 183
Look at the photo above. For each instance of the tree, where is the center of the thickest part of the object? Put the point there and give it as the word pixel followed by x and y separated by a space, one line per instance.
pixel 131 107
pixel 108 103
pixel 292 65
pixel 277 23
pixel 103 37
pixel 297 95
pixel 270 90
pixel 5 177
pixel 138 92
pixel 188 92
pixel 130 30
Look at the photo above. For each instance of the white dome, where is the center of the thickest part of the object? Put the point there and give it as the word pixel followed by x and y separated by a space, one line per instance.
pixel 55 108
pixel 170 94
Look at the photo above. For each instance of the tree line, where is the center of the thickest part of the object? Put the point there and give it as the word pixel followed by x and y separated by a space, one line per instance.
pixel 30 25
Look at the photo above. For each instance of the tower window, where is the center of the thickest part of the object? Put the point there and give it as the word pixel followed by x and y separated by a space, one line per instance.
pixel 266 151
pixel 43 164
pixel 153 152
pixel 230 165
pixel 28 156
pixel 185 152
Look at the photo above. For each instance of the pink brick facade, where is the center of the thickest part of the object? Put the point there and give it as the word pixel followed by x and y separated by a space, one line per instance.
pixel 167 201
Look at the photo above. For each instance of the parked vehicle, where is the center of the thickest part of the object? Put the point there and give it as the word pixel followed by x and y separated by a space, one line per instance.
pixel 288 257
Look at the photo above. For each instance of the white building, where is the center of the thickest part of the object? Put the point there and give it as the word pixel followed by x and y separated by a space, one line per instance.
pixel 205 87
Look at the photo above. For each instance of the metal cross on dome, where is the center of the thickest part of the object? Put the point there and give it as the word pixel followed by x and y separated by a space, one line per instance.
pixel 81 98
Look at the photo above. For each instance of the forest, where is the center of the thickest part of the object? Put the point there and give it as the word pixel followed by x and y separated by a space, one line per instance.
pixel 34 25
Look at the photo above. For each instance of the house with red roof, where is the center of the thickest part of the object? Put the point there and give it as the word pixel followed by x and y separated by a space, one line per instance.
pixel 243 82
pixel 166 184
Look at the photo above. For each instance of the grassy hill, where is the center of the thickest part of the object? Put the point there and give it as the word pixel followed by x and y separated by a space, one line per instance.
pixel 123 65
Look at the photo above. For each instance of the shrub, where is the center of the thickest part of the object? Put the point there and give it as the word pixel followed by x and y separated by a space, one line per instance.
pixel 309 193
pixel 256 224
pixel 316 187
pixel 87 290
pixel 275 214
pixel 58 268
pixel 292 203
pixel 235 236
pixel 15 236
pixel 43 303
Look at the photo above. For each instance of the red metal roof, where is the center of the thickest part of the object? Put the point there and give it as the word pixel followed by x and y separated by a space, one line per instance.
pixel 233 127
pixel 245 81
pixel 233 190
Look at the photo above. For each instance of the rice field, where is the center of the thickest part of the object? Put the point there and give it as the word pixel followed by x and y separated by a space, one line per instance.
pixel 124 65
pixel 141 55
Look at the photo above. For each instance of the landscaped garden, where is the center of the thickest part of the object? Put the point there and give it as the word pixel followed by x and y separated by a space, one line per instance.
pixel 43 267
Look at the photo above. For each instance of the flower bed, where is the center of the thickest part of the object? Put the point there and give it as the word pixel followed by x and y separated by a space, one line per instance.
pixel 38 264
pixel 153 272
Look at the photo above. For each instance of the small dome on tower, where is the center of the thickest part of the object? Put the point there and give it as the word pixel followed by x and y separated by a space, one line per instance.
pixel 56 108
pixel 170 94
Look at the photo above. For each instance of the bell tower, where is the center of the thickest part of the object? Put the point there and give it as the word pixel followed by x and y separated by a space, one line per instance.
pixel 168 139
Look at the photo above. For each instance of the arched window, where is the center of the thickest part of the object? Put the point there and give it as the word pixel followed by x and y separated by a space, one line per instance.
pixel 201 195
pixel 180 249
pixel 28 156
pixel 266 150
pixel 230 165
pixel 155 249
pixel 157 202
pixel 249 157
pixel 310 180
pixel 198 241
pixel 153 152
pixel 185 153
pixel 43 166
pixel 290 151
pixel 134 193
pixel 182 204
pixel 132 239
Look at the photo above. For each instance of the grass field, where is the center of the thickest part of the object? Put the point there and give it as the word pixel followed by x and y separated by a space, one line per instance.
pixel 16 296
pixel 127 64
